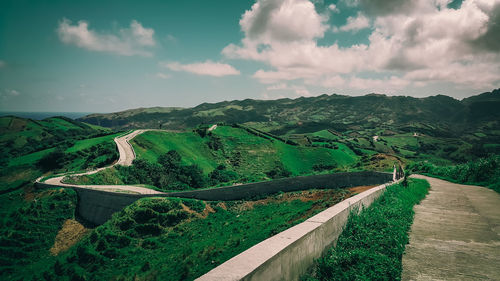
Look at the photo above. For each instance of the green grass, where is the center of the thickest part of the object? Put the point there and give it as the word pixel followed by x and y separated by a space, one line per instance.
pixel 372 243
pixel 300 160
pixel 484 171
pixel 249 155
pixel 191 146
pixel 30 159
pixel 157 239
pixel 28 230
pixel 87 143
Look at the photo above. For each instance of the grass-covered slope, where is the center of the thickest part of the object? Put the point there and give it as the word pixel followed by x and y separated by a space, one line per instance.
pixel 484 171
pixel 28 227
pixel 247 154
pixel 372 244
pixel 30 219
pixel 448 130
pixel 180 239
pixel 31 148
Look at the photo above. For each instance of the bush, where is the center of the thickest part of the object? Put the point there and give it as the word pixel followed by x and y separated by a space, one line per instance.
pixel 278 171
pixel 168 173
pixel 220 175
pixel 52 161
pixel 484 171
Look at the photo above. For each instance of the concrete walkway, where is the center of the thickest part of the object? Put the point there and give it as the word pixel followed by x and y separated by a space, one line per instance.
pixel 455 234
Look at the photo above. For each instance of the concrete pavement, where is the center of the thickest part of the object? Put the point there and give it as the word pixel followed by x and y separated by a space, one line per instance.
pixel 455 234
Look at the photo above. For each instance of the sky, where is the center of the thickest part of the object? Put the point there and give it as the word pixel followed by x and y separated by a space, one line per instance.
pixel 107 56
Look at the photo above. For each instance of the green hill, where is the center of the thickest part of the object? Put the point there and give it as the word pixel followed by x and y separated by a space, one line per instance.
pixel 315 113
pixel 26 142
pixel 241 151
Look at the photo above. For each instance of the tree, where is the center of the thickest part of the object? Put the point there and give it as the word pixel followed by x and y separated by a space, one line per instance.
pixel 170 160
pixel 52 161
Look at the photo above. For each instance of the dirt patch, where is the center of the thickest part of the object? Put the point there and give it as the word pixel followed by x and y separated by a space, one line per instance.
pixel 208 209
pixel 30 194
pixel 190 211
pixel 222 205
pixel 70 233
pixel 324 195
pixel 359 189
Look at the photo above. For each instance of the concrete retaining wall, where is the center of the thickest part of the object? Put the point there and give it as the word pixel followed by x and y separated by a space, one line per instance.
pixel 288 255
pixel 97 206
pixel 244 191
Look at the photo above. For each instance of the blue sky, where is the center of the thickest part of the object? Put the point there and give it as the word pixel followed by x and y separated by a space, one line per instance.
pixel 104 56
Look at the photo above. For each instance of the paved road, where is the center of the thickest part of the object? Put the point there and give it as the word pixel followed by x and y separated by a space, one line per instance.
pixel 455 234
pixel 127 155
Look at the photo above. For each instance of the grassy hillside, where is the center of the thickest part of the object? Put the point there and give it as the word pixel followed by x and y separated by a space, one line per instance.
pixel 435 115
pixel 247 154
pixel 447 130
pixel 181 239
pixel 226 155
pixel 30 219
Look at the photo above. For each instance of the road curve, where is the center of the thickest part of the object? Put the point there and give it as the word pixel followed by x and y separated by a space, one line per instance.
pixel 127 155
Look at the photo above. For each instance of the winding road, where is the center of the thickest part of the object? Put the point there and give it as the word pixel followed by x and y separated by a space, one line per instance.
pixel 127 155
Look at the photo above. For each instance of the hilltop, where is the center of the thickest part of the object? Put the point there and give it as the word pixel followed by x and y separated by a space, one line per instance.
pixel 444 114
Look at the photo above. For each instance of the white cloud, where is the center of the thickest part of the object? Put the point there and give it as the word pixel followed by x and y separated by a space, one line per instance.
pixel 171 38
pixel 208 67
pixel 127 42
pixel 356 23
pixel 9 93
pixel 280 86
pixel 333 8
pixel 298 90
pixel 282 20
pixel 2 63
pixel 427 43
pixel 385 85
pixel 162 75
pixel 283 90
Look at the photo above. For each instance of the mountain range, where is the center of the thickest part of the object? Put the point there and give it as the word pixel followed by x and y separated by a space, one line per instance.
pixel 440 114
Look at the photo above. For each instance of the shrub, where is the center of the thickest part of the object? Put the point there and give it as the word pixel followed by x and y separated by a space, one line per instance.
pixel 52 161
pixel 484 171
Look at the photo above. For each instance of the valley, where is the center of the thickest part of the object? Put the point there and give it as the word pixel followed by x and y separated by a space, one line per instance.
pixel 183 157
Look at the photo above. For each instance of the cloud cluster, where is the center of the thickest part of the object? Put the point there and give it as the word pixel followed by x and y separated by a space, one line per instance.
pixel 208 68
pixel 127 41
pixel 412 43
pixel 356 23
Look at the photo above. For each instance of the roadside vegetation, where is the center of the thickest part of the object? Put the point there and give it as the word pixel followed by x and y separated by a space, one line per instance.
pixel 28 227
pixel 224 156
pixel 484 172
pixel 181 239
pixel 372 244
pixel 32 148
pixel 30 219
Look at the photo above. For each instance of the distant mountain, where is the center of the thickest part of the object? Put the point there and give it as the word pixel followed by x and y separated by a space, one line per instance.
pixel 303 114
